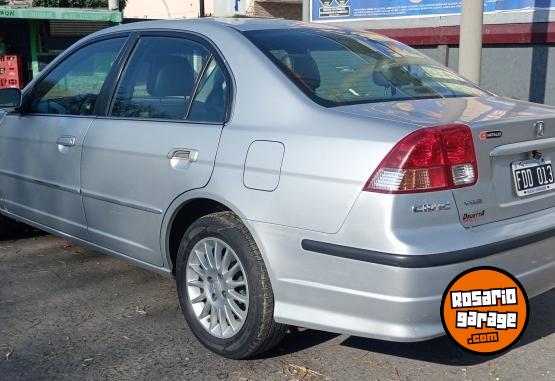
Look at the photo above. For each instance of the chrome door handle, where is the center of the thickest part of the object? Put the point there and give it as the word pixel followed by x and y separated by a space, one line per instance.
pixel 66 141
pixel 184 154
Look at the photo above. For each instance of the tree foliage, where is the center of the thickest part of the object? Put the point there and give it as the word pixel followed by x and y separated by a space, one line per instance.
pixel 76 3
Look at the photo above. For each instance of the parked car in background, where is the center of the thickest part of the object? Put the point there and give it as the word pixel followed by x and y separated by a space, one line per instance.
pixel 284 173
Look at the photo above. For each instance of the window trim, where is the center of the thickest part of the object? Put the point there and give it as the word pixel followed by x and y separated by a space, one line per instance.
pixel 109 87
pixel 208 44
pixel 29 93
pixel 197 86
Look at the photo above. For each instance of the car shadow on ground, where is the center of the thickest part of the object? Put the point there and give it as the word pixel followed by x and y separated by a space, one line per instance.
pixel 23 232
pixel 442 351
pixel 298 339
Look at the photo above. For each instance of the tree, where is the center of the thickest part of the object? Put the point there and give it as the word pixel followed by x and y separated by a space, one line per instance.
pixel 77 3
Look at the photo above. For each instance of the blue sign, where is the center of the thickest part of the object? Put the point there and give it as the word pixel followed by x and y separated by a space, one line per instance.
pixel 337 10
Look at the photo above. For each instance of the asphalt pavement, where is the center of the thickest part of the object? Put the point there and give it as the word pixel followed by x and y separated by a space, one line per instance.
pixel 70 313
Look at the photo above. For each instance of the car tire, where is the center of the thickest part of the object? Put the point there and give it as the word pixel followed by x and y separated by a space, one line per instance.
pixel 252 330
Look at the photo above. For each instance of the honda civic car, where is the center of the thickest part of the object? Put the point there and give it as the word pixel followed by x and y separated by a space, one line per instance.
pixel 286 174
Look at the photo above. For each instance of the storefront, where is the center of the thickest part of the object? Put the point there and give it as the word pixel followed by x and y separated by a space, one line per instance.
pixel 37 35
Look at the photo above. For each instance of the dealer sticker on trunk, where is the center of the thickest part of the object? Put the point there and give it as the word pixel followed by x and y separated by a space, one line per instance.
pixel 484 135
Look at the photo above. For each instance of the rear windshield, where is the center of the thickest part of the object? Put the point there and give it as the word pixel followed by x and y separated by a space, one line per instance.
pixel 337 67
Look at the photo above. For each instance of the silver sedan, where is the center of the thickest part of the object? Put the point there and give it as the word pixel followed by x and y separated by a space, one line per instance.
pixel 284 173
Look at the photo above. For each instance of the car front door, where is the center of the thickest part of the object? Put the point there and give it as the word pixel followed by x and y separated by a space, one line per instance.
pixel 158 139
pixel 40 148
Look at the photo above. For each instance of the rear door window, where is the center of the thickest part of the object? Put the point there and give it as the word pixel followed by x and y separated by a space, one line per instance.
pixel 159 79
pixel 210 101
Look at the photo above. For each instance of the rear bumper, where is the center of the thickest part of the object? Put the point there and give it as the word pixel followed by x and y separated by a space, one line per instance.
pixel 396 297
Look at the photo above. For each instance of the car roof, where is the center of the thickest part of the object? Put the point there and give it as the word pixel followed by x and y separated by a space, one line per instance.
pixel 212 24
pixel 245 24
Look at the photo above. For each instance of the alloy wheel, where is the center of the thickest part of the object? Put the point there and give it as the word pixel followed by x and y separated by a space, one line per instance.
pixel 217 287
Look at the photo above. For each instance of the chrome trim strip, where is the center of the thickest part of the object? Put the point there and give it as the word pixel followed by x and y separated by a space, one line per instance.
pixel 12 206
pixel 521 147
pixel 159 120
pixel 116 201
pixel 35 180
pixel 185 154
pixel 96 196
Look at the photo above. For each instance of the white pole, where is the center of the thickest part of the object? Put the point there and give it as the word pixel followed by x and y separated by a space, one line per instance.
pixel 113 5
pixel 470 49
pixel 306 10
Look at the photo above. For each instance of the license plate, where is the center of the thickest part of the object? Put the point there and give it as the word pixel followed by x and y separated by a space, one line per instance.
pixel 533 176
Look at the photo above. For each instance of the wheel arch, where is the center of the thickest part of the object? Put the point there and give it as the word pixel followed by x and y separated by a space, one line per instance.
pixel 185 210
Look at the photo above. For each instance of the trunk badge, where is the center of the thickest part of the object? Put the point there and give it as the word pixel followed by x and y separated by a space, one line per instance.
pixel 477 201
pixel 539 128
pixel 433 207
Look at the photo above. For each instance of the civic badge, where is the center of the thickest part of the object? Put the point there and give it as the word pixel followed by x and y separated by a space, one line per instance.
pixel 433 207
pixel 539 128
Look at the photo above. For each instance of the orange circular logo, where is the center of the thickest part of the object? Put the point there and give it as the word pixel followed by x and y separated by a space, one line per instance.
pixel 485 310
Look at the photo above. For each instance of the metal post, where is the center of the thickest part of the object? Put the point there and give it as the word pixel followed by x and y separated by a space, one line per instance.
pixel 35 46
pixel 202 12
pixel 306 10
pixel 470 48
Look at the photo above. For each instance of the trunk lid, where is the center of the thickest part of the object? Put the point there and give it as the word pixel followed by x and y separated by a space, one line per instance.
pixel 505 132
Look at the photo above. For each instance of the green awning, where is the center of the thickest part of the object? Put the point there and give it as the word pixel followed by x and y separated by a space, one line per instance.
pixel 76 14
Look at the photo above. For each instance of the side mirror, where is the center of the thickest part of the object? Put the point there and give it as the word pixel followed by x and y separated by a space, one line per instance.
pixel 10 98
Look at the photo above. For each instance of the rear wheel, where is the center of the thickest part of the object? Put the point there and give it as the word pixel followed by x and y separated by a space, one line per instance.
pixel 224 289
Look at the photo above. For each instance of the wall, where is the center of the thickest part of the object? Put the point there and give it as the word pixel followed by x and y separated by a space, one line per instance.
pixel 520 71
pixel 286 10
pixel 229 8
pixel 165 9
pixel 525 72
pixel 177 9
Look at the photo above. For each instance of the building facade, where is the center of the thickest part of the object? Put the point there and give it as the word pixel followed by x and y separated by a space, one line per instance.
pixel 166 9
pixel 179 9
pixel 37 35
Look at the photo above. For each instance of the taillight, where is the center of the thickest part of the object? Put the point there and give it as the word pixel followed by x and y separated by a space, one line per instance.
pixel 429 159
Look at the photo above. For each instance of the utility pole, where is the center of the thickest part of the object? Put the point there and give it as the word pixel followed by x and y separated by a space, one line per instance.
pixel 470 48
pixel 202 11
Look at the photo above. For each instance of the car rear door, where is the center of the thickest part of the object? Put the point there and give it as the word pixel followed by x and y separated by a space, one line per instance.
pixel 158 139
pixel 40 149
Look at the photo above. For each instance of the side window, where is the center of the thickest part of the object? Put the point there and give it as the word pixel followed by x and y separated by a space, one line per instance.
pixel 72 88
pixel 210 101
pixel 159 79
